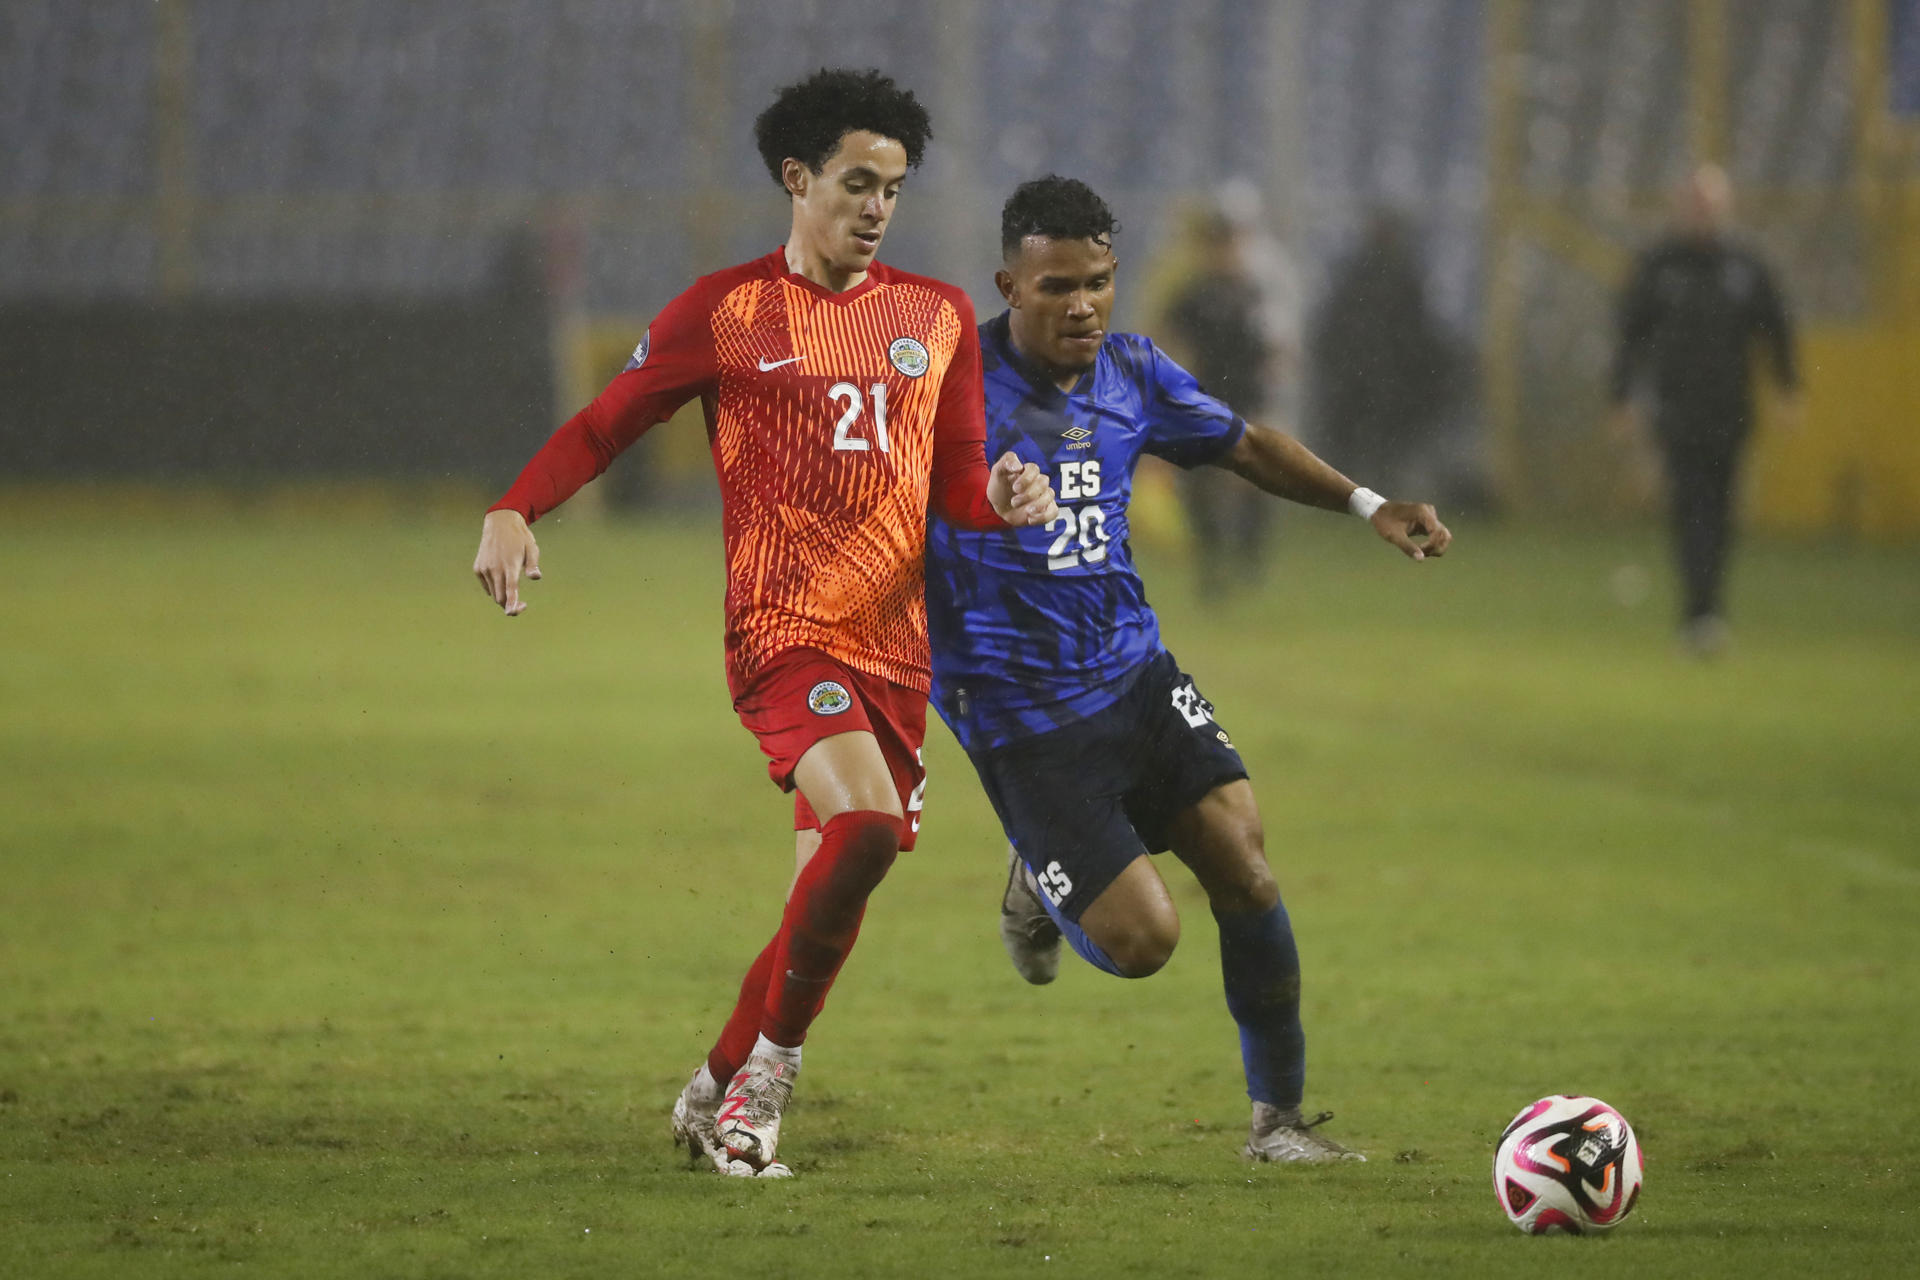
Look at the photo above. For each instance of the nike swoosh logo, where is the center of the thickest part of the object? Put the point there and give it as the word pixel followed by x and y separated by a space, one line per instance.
pixel 768 365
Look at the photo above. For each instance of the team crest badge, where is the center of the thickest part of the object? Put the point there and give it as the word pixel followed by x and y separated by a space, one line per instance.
pixel 639 356
pixel 828 698
pixel 908 356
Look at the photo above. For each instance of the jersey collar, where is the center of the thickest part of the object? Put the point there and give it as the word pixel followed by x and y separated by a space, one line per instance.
pixel 1000 333
pixel 777 264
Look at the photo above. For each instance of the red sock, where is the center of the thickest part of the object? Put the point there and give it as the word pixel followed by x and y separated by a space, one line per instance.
pixel 736 1038
pixel 823 918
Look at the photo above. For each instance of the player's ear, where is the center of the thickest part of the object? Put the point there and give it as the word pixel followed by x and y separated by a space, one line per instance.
pixel 794 176
pixel 1003 281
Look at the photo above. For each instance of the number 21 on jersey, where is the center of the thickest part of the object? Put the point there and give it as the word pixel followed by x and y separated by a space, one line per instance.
pixel 853 405
pixel 1083 530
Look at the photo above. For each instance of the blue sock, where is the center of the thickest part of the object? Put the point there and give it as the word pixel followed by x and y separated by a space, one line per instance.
pixel 1261 969
pixel 1077 938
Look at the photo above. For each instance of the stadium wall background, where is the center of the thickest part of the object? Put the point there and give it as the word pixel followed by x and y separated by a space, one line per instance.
pixel 244 390
pixel 271 180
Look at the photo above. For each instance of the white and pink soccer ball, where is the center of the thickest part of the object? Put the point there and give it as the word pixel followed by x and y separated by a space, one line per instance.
pixel 1567 1163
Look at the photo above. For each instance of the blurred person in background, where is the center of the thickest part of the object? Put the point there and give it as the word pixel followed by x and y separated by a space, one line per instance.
pixel 1384 371
pixel 1095 748
pixel 1235 324
pixel 1694 306
pixel 843 404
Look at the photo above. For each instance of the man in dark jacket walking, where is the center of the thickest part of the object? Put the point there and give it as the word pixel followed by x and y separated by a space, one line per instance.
pixel 1695 306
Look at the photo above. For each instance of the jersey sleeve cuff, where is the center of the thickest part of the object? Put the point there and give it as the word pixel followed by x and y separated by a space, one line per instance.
pixel 1225 445
pixel 509 504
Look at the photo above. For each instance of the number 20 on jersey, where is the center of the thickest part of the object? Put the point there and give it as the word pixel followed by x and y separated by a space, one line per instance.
pixel 1082 537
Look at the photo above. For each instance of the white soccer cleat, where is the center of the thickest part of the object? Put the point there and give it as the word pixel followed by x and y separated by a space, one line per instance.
pixel 692 1123
pixel 1282 1137
pixel 1028 933
pixel 741 1169
pixel 747 1126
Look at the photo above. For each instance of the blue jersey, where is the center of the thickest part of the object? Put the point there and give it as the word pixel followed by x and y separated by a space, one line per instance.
pixel 1035 628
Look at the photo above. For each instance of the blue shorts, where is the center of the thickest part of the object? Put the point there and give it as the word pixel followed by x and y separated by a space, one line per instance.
pixel 1083 801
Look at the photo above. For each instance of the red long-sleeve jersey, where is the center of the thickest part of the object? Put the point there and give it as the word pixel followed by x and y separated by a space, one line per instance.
pixel 834 419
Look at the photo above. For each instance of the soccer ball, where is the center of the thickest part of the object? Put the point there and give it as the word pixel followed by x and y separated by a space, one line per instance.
pixel 1567 1163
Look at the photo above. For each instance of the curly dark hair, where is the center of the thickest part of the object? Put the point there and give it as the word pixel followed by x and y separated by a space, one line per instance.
pixel 1058 208
pixel 808 119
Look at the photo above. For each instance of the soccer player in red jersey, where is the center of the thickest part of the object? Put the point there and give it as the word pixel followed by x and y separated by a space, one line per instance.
pixel 842 399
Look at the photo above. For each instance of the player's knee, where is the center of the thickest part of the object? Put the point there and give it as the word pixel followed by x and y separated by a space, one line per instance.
pixel 1248 889
pixel 1239 880
pixel 1142 947
pixel 869 842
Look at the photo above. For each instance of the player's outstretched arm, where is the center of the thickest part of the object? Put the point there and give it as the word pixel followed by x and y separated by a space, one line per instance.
pixel 507 550
pixel 1288 469
pixel 1021 492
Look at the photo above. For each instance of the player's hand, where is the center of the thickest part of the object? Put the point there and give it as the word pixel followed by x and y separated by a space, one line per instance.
pixel 507 550
pixel 1401 522
pixel 1021 492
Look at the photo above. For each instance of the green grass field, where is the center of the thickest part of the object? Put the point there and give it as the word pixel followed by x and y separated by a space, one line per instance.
pixel 352 930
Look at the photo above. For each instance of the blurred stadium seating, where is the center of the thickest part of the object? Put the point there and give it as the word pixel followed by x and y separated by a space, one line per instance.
pixel 165 156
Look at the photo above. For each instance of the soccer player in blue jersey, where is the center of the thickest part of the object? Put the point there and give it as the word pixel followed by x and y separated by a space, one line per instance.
pixel 1094 746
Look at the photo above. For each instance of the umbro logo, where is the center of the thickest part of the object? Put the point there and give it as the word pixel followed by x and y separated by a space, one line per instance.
pixel 1076 433
pixel 767 366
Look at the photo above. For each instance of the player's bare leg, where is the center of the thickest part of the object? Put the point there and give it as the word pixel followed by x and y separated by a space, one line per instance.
pixel 1221 839
pixel 846 780
pixel 1129 930
pixel 1133 921
pixel 847 773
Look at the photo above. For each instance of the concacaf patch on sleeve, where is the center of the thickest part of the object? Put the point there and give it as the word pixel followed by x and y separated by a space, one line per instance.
pixel 828 698
pixel 639 356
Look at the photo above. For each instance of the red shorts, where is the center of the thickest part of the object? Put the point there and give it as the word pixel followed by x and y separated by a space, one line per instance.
pixel 802 696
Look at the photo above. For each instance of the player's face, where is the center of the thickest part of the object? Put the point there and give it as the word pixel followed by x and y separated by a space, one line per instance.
pixel 1706 201
pixel 841 213
pixel 1061 293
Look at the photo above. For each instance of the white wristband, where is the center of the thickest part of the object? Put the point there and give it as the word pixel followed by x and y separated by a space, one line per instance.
pixel 1364 502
